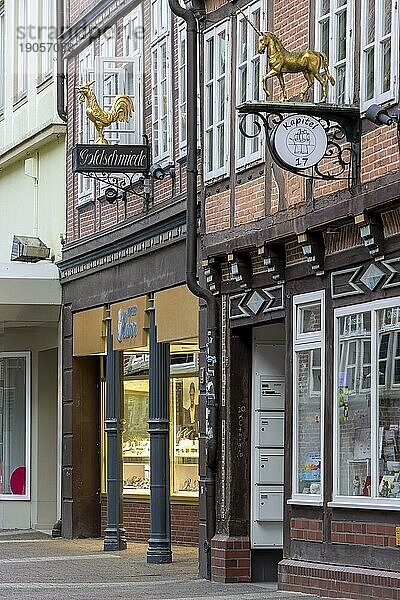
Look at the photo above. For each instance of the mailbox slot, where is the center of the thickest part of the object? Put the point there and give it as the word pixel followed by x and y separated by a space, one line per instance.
pixel 269 504
pixel 270 430
pixel 270 466
pixel 272 394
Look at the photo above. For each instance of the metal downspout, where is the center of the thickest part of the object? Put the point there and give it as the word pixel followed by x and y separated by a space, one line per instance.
pixel 61 108
pixel 207 480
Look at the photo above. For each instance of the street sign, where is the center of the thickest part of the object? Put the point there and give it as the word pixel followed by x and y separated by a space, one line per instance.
pixel 90 158
pixel 300 141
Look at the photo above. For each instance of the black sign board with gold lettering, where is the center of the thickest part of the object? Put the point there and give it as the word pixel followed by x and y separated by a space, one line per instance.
pixel 89 158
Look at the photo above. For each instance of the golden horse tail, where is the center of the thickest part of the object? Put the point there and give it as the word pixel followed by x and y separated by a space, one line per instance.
pixel 122 108
pixel 326 67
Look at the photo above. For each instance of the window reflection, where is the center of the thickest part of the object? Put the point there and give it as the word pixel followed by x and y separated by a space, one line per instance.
pixel 354 405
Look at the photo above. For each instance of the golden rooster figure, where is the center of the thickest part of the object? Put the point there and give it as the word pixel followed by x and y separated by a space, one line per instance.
pixel 281 61
pixel 121 110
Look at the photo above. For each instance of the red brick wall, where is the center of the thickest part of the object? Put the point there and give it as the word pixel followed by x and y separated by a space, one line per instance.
pixel 184 522
pixel 306 529
pixel 338 582
pixel 368 534
pixel 230 559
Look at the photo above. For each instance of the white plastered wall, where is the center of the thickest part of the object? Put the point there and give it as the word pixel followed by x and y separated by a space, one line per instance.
pixel 41 511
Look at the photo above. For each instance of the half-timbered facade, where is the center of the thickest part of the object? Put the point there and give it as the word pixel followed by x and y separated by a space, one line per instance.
pixel 305 272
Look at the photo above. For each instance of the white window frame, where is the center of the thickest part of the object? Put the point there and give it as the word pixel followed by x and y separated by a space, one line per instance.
pixel 112 65
pixel 305 342
pixel 160 19
pixel 374 501
pixel 182 101
pixel 348 62
pixel 21 75
pixel 2 56
pixel 182 90
pixel 212 82
pixel 134 50
pixel 391 94
pixel 86 130
pixel 46 58
pixel 161 37
pixel 250 155
pixel 27 495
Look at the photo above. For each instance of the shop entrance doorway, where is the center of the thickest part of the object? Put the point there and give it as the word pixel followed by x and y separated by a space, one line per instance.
pixel 267 462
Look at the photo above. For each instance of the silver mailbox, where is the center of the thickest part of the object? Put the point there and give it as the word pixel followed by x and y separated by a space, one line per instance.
pixel 272 393
pixel 270 466
pixel 270 429
pixel 269 504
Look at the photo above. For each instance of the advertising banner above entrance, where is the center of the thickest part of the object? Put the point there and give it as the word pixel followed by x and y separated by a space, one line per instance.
pixel 130 323
pixel 177 314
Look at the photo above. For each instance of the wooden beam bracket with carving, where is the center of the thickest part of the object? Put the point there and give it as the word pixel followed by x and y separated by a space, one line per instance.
pixel 314 251
pixel 240 267
pixel 213 274
pixel 371 233
pixel 274 260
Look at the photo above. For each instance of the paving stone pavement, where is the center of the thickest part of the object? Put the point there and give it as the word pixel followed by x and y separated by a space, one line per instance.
pixel 35 567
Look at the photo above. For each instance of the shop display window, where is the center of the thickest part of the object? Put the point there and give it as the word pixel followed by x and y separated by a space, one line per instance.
pixel 185 443
pixel 368 403
pixel 14 424
pixel 184 426
pixel 354 405
pixel 308 397
pixel 308 385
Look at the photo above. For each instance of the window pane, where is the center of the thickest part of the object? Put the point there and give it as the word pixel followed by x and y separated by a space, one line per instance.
pixel 185 402
pixel 221 53
pixel 341 36
pixel 389 404
pixel 309 318
pixel 13 425
pixel 324 37
pixel 354 405
pixel 135 440
pixel 308 386
pixel 386 50
pixel 387 17
pixel 324 7
pixel 243 41
pixel 370 73
pixel 370 25
pixel 340 73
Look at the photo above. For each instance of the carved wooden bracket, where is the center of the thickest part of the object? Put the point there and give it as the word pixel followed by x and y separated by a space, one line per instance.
pixel 274 260
pixel 240 267
pixel 371 232
pixel 313 249
pixel 212 274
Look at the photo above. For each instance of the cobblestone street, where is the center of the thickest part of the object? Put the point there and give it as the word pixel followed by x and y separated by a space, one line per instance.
pixel 34 567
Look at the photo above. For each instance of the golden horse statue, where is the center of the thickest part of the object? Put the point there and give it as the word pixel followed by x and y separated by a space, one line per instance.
pixel 121 110
pixel 281 61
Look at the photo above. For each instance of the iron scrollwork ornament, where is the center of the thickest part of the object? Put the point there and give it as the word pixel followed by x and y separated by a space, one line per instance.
pixel 309 145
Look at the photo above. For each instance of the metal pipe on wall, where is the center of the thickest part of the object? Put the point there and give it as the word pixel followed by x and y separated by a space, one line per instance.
pixel 207 508
pixel 61 107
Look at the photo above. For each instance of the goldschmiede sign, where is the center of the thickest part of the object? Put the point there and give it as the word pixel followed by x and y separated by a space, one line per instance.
pixel 89 158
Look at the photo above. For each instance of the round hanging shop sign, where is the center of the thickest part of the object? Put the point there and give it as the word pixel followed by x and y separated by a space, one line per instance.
pixel 300 141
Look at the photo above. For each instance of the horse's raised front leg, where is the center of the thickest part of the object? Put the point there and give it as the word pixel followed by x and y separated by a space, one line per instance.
pixel 272 73
pixel 324 86
pixel 310 82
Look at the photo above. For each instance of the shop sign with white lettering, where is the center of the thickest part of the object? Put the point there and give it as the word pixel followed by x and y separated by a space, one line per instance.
pixel 88 158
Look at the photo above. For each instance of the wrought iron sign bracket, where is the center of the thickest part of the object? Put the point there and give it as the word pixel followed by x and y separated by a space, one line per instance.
pixel 339 140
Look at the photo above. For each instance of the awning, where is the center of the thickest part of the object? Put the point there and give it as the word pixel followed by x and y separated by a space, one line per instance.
pixel 29 293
